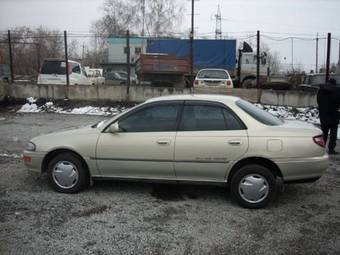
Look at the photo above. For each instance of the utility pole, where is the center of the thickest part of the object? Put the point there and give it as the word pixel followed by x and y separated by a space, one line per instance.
pixel 218 29
pixel 143 13
pixel 329 38
pixel 83 52
pixel 258 60
pixel 192 43
pixel 317 53
pixel 67 66
pixel 128 61
pixel 292 53
pixel 10 56
pixel 38 56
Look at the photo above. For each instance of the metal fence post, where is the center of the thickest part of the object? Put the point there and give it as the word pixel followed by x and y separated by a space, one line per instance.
pixel 67 66
pixel 258 60
pixel 10 56
pixel 329 38
pixel 128 67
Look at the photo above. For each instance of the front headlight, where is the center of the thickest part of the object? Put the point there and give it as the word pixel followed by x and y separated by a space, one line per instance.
pixel 30 146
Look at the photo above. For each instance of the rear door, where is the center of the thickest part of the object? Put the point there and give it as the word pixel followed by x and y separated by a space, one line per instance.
pixel 210 138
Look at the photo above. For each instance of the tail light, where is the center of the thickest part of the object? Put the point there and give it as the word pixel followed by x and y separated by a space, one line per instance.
pixel 196 82
pixel 228 83
pixel 319 141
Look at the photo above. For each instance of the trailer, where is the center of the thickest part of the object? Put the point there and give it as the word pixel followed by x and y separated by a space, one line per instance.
pixel 219 54
pixel 162 70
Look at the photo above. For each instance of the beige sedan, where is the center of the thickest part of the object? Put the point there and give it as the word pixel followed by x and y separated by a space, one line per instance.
pixel 208 139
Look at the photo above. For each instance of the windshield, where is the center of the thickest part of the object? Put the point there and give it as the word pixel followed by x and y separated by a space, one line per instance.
pixel 213 74
pixel 259 114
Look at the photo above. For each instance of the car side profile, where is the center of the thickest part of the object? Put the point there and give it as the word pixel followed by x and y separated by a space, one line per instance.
pixel 210 139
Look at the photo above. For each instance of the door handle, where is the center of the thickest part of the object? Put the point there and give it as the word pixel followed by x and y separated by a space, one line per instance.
pixel 235 142
pixel 163 142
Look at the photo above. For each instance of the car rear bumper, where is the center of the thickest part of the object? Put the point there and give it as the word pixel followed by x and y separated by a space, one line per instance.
pixel 302 169
pixel 33 160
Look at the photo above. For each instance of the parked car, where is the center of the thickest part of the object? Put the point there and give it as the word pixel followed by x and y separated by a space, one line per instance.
pixel 119 78
pixel 312 82
pixel 210 139
pixel 53 71
pixel 213 78
pixel 95 76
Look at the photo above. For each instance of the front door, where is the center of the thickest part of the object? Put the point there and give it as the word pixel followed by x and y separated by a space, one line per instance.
pixel 210 137
pixel 144 146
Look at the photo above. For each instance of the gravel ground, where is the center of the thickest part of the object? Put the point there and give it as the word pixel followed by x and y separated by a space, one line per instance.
pixel 116 217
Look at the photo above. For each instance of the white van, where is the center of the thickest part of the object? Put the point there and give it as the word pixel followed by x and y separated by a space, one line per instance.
pixel 53 71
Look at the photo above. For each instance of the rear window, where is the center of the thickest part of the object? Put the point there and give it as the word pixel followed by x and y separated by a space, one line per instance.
pixel 259 114
pixel 213 74
pixel 53 67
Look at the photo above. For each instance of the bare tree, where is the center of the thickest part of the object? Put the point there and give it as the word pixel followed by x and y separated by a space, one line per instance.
pixel 31 46
pixel 159 16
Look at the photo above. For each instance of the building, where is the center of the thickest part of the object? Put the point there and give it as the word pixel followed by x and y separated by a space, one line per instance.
pixel 117 51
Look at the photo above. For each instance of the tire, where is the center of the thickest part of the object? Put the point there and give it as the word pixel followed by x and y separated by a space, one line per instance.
pixel 67 174
pixel 248 83
pixel 253 186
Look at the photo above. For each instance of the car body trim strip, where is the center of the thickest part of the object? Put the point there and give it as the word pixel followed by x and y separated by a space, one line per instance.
pixel 162 160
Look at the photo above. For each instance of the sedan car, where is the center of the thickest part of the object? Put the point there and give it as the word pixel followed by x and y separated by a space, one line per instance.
pixel 210 139
pixel 213 78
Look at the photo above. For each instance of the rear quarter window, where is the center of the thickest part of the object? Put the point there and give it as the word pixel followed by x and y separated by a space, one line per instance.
pixel 259 114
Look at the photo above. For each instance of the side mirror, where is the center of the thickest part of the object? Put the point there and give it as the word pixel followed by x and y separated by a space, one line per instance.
pixel 114 128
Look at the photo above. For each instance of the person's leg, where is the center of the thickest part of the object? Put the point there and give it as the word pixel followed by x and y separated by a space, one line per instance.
pixel 332 138
pixel 325 130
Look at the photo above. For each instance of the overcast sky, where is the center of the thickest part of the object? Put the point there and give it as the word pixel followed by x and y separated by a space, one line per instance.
pixel 240 18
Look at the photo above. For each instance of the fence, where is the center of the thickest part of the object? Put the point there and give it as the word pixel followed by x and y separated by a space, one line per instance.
pixel 22 51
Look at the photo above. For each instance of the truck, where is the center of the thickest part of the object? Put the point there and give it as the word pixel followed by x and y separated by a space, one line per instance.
pixel 161 69
pixel 219 54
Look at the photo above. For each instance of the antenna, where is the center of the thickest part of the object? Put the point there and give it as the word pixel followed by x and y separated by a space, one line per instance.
pixel 218 30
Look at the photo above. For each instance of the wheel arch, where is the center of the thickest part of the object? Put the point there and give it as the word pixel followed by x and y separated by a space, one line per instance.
pixel 249 77
pixel 50 155
pixel 258 161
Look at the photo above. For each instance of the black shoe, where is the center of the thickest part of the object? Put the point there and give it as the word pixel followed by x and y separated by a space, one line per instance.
pixel 333 152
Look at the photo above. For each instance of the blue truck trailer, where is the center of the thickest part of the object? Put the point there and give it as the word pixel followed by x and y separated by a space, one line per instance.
pixel 207 53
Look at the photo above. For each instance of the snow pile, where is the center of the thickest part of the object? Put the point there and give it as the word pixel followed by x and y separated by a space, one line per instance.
pixel 308 114
pixel 31 106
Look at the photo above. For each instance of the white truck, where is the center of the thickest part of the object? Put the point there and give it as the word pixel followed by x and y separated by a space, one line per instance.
pixel 53 71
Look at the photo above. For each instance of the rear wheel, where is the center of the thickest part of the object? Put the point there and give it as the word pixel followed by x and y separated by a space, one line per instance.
pixel 253 186
pixel 67 174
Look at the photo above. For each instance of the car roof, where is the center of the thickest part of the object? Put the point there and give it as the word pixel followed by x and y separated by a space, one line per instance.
pixel 61 59
pixel 213 69
pixel 202 97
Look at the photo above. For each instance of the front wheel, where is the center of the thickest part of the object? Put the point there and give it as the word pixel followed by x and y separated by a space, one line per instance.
pixel 253 186
pixel 67 174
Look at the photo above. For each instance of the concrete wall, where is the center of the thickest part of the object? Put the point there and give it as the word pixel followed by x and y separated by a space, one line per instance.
pixel 140 94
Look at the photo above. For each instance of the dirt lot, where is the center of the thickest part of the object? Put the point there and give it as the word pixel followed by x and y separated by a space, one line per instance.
pixel 135 218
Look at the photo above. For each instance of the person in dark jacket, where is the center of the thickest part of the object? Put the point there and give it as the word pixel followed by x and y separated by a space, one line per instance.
pixel 328 99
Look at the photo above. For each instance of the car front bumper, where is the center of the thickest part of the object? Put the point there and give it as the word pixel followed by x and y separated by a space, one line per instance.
pixel 33 160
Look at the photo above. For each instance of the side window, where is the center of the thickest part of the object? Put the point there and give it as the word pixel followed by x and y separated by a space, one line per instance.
pixel 232 123
pixel 75 68
pixel 208 118
pixel 159 118
pixel 202 117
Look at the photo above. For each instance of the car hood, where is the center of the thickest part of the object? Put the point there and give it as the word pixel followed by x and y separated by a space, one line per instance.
pixel 84 137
